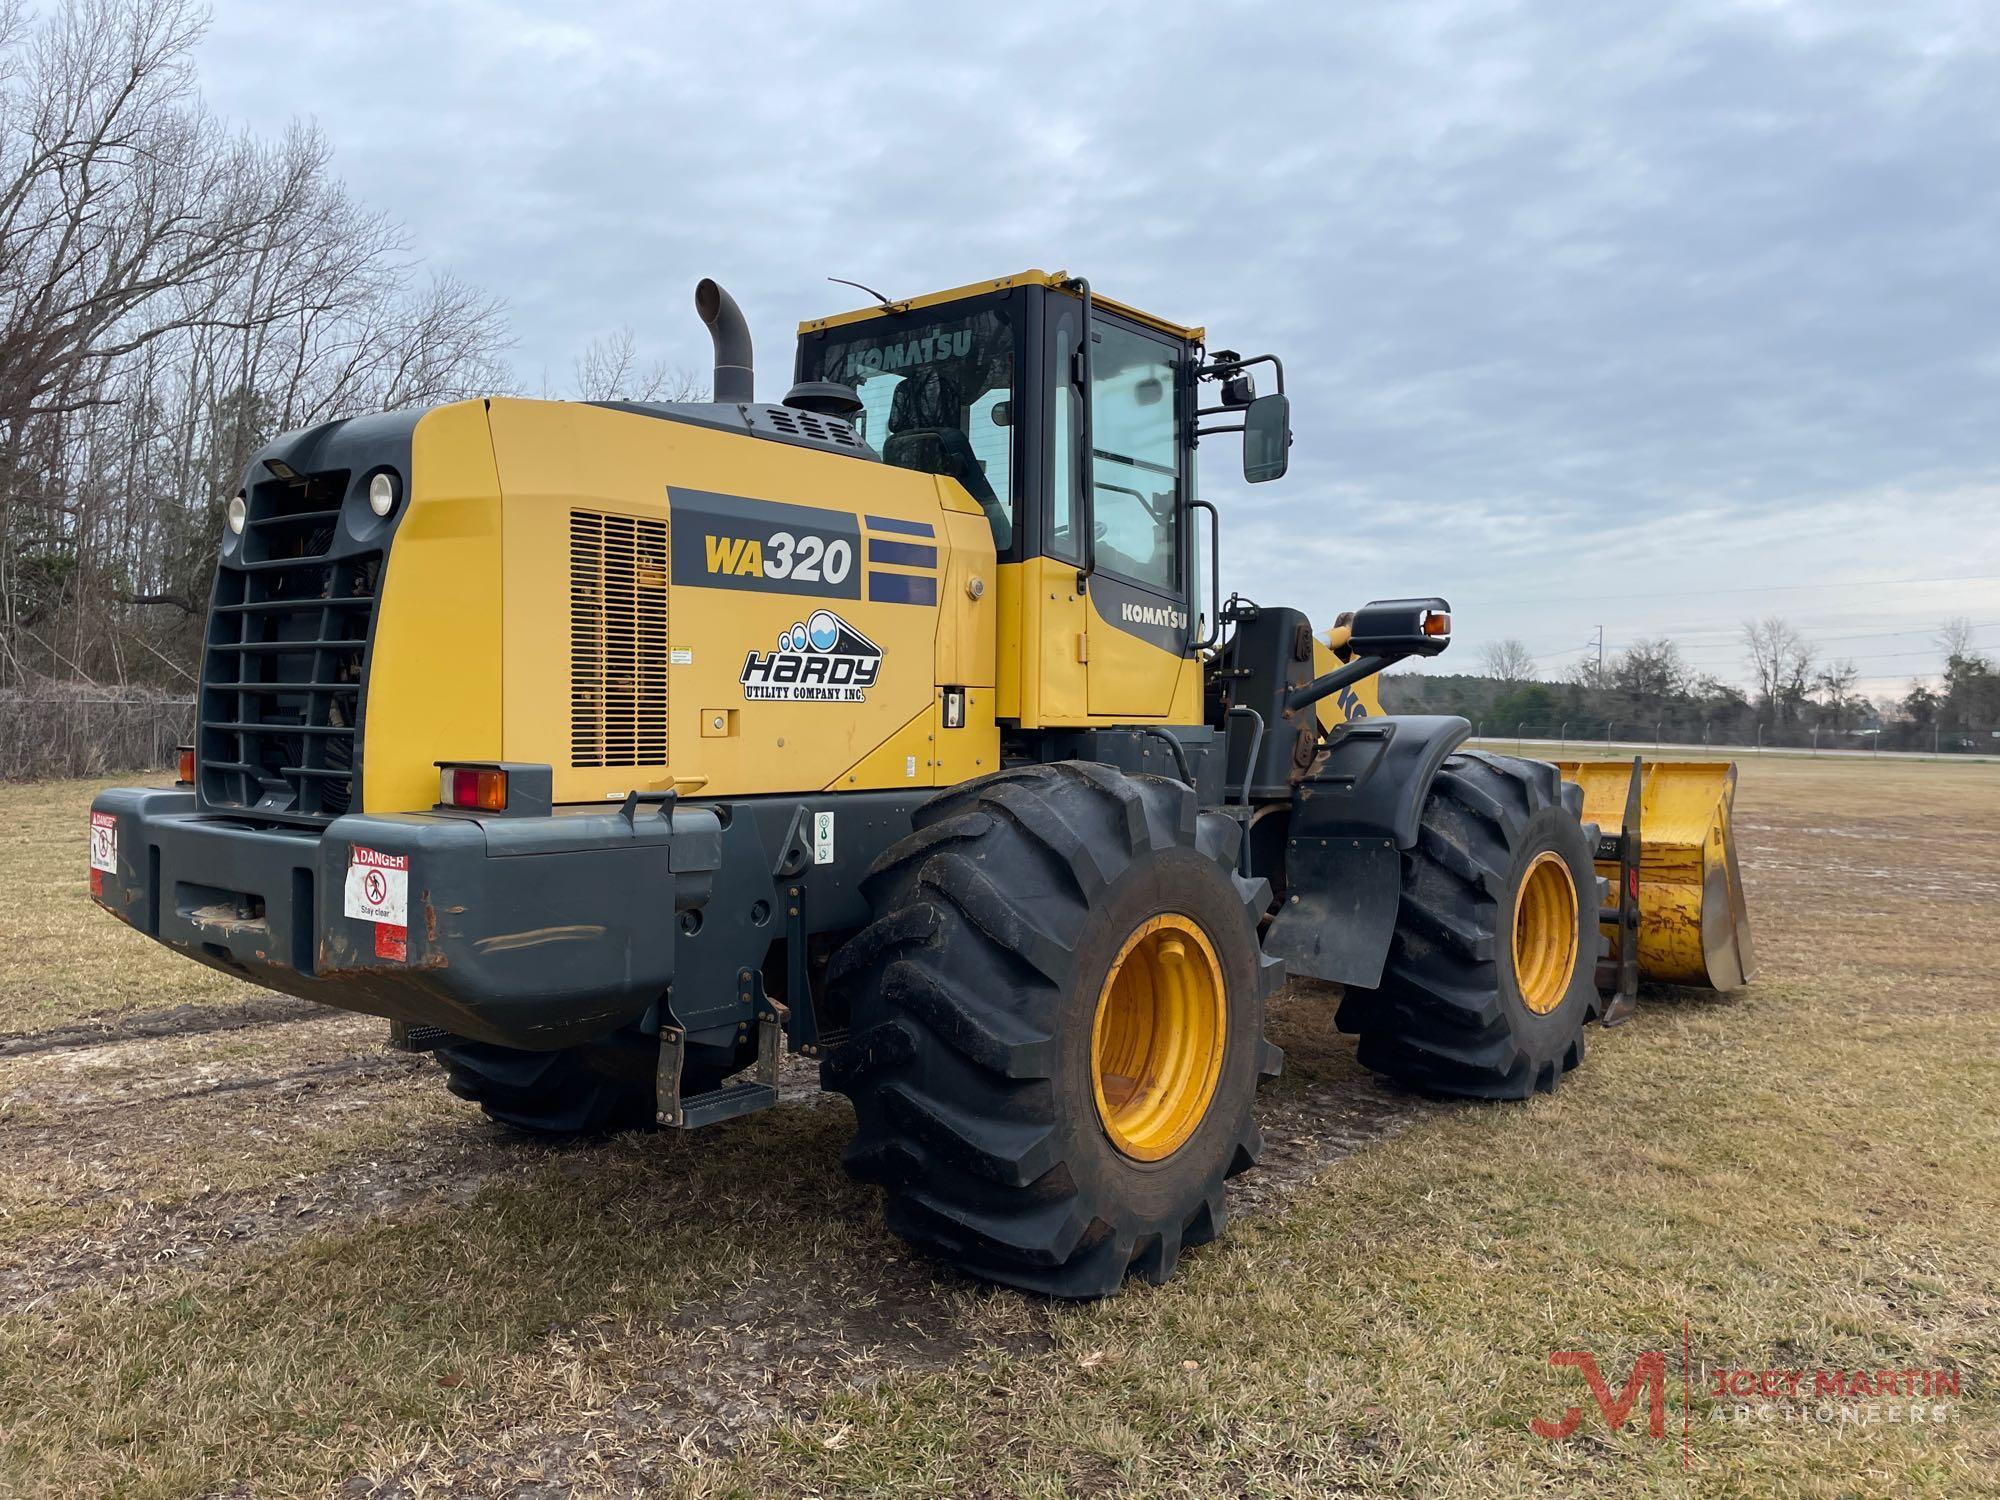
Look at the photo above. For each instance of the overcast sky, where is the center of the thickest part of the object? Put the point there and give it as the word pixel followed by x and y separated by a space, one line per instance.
pixel 1652 317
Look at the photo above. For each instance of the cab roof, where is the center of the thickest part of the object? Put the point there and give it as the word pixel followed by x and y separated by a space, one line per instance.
pixel 1057 279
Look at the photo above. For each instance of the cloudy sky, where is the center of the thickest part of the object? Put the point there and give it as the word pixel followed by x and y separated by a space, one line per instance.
pixel 1647 317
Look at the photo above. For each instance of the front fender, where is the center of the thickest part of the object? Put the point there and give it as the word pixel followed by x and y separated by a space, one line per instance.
pixel 1362 805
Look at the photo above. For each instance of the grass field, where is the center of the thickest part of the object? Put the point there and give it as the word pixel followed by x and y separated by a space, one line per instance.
pixel 243 1249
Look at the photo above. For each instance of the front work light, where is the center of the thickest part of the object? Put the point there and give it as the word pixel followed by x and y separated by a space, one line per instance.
pixel 382 494
pixel 238 514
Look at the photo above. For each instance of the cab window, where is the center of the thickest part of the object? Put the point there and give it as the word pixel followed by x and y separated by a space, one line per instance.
pixel 937 395
pixel 1135 477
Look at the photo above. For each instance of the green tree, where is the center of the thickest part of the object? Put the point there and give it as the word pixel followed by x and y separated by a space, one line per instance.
pixel 1533 704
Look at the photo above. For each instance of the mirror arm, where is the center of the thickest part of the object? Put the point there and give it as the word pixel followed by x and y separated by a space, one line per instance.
pixel 1338 678
pixel 1231 366
pixel 1277 365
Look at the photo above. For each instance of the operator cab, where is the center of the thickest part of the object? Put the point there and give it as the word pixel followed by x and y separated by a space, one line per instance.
pixel 992 385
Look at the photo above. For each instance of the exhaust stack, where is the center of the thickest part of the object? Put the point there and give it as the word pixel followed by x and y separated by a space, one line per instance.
pixel 735 375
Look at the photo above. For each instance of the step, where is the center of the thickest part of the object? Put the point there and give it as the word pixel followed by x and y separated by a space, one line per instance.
pixel 726 1103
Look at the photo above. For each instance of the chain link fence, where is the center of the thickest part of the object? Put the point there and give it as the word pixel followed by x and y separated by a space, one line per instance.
pixel 1928 741
pixel 89 732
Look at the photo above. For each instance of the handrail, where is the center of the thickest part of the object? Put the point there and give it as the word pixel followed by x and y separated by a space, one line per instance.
pixel 1086 492
pixel 1214 577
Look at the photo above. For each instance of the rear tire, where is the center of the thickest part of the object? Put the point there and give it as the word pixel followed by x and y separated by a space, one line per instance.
pixel 978 1063
pixel 596 1089
pixel 1487 985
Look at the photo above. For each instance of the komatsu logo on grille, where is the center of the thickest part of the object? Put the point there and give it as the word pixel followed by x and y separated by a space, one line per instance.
pixel 822 660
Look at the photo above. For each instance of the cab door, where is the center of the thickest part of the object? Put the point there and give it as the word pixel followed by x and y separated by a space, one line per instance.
pixel 1139 622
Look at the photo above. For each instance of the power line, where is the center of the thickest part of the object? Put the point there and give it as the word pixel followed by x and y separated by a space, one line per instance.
pixel 1762 588
pixel 1865 656
pixel 1716 651
pixel 1864 635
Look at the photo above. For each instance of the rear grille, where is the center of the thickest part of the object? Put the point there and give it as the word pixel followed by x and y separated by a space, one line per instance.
pixel 294 520
pixel 281 687
pixel 617 640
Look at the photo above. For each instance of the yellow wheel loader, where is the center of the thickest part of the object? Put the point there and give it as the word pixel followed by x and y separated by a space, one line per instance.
pixel 611 750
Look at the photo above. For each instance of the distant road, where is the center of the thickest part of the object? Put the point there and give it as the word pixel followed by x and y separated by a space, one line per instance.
pixel 1566 748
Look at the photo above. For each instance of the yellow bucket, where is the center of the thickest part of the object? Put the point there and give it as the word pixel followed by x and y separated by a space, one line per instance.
pixel 1693 926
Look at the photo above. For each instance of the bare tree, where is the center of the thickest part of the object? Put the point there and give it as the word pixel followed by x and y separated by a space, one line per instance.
pixel 126 211
pixel 1781 663
pixel 1834 686
pixel 173 293
pixel 1954 639
pixel 609 369
pixel 1508 661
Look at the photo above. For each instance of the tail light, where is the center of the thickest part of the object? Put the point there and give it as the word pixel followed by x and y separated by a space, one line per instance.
pixel 476 788
pixel 184 765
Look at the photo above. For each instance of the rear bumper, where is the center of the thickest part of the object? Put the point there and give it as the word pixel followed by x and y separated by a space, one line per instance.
pixel 530 932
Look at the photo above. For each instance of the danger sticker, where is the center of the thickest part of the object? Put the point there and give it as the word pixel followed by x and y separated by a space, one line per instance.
pixel 378 887
pixel 104 842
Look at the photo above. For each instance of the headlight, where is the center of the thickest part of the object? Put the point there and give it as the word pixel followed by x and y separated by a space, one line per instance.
pixel 382 494
pixel 238 514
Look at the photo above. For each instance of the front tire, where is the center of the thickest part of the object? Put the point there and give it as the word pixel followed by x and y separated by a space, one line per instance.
pixel 1492 971
pixel 1057 1027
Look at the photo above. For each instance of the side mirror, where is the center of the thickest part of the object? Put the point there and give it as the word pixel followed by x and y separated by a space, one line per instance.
pixel 1400 627
pixel 1267 435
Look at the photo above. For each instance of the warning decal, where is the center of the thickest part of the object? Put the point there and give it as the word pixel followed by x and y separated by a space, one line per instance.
pixel 104 842
pixel 378 887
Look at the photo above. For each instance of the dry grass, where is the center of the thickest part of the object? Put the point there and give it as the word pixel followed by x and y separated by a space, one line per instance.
pixel 1807 1174
pixel 62 961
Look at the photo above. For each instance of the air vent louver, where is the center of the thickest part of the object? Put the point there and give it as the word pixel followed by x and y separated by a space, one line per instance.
pixel 617 640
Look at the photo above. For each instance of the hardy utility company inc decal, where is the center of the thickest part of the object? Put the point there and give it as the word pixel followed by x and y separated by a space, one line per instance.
pixel 823 660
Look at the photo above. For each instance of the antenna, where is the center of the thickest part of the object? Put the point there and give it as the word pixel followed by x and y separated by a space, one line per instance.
pixel 868 289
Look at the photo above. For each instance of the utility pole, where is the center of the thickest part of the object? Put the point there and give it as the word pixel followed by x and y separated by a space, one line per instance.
pixel 1600 656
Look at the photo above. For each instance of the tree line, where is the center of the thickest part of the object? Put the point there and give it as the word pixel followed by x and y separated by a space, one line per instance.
pixel 173 293
pixel 1793 697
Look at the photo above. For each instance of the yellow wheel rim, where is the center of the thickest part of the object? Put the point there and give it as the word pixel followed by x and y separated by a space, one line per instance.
pixel 1156 1046
pixel 1545 933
